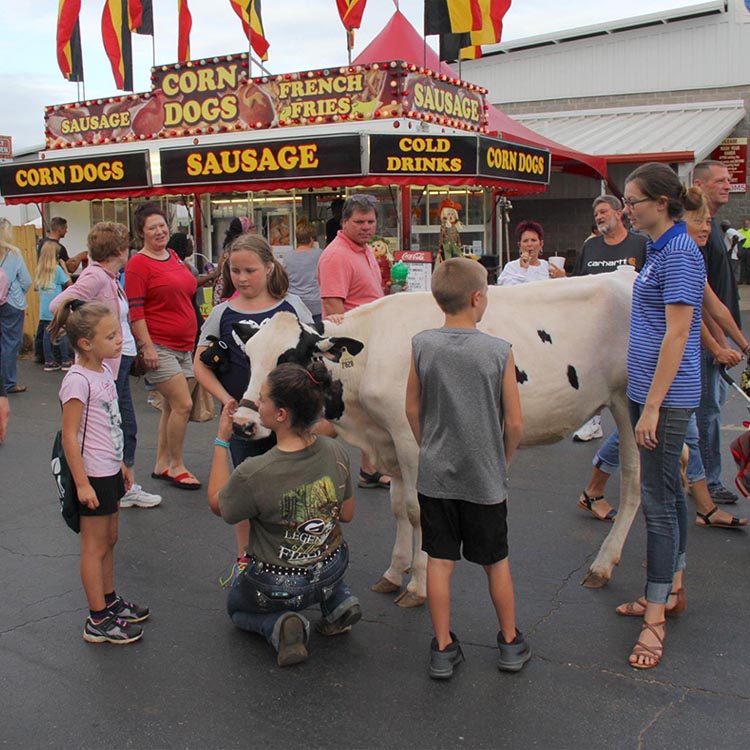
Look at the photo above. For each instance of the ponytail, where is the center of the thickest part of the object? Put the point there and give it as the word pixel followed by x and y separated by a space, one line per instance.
pixel 78 320
pixel 302 392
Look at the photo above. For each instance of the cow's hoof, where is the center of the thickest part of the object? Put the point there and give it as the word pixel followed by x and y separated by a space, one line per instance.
pixel 384 586
pixel 594 580
pixel 409 599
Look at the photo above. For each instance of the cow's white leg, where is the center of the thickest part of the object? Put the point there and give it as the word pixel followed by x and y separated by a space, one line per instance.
pixel 402 548
pixel 415 593
pixel 630 498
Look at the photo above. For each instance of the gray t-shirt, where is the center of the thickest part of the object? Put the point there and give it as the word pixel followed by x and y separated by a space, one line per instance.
pixel 462 455
pixel 302 268
pixel 292 501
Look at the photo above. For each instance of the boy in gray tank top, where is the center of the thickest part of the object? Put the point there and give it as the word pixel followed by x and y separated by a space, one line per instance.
pixel 464 409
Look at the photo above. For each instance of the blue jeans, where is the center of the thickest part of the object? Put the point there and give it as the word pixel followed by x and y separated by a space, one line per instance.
pixel 11 338
pixel 663 501
pixel 713 395
pixel 260 598
pixel 49 348
pixel 127 410
pixel 607 458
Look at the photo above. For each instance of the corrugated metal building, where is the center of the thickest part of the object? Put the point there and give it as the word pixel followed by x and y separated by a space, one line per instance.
pixel 669 86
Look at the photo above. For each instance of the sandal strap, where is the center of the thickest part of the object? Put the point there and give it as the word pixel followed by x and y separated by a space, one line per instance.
pixel 651 651
pixel 707 516
pixel 588 500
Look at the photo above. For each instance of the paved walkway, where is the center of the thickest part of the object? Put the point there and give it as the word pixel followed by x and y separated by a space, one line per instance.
pixel 194 681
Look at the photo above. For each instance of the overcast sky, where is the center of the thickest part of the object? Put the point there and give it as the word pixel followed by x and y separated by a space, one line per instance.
pixel 303 34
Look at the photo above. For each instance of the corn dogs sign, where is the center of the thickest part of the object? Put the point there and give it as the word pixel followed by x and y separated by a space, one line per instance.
pixel 49 177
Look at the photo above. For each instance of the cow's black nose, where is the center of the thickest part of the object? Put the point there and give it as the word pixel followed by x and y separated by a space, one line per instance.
pixel 244 430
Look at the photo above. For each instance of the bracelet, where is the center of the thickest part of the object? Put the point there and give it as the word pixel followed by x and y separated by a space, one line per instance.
pixel 746 350
pixel 221 443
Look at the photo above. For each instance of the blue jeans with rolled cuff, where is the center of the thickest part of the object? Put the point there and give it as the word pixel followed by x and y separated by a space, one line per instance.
pixel 127 410
pixel 663 501
pixel 263 595
pixel 11 338
pixel 607 458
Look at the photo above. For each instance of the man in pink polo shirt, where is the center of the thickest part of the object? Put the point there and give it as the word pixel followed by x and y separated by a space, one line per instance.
pixel 349 276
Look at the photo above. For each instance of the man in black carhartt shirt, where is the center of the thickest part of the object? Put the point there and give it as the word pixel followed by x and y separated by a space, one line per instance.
pixel 712 177
pixel 614 245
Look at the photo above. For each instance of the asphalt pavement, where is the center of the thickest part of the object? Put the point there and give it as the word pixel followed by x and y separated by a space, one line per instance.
pixel 195 681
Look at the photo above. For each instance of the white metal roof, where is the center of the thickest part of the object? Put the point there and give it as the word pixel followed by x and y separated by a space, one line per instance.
pixel 669 128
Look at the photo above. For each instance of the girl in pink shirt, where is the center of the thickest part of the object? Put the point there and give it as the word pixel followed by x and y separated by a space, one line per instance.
pixel 92 441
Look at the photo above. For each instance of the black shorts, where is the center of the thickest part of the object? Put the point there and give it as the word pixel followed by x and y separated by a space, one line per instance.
pixel 447 524
pixel 108 490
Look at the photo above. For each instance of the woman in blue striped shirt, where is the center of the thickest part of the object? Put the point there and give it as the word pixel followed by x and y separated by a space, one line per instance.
pixel 664 387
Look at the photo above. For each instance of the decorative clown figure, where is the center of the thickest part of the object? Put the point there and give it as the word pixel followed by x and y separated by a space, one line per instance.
pixel 383 256
pixel 450 238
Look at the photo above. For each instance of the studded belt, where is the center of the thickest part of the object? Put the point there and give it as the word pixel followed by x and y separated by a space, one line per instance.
pixel 301 570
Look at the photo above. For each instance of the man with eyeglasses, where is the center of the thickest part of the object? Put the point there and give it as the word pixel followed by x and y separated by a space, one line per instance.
pixel 712 177
pixel 349 276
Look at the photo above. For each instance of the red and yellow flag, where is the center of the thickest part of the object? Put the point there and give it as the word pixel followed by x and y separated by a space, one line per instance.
pixel 491 31
pixel 252 23
pixel 351 12
pixel 141 17
pixel 69 56
pixel 184 25
pixel 116 38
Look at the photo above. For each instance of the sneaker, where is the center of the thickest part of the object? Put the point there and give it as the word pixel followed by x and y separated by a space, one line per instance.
pixel 51 366
pixel 136 495
pixel 128 611
pixel 443 662
pixel 66 366
pixel 722 495
pixel 111 629
pixel 234 573
pixel 343 624
pixel 592 430
pixel 292 648
pixel 513 655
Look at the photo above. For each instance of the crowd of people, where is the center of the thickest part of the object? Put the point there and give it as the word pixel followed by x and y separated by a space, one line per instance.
pixel 685 307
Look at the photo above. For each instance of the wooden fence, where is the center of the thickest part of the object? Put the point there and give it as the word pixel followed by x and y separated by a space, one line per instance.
pixel 25 238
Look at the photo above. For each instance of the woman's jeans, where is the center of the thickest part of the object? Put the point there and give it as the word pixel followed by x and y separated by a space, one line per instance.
pixel 49 349
pixel 260 597
pixel 607 458
pixel 713 395
pixel 127 411
pixel 663 501
pixel 11 338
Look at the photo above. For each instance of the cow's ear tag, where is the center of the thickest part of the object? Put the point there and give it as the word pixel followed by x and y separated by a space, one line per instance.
pixel 346 360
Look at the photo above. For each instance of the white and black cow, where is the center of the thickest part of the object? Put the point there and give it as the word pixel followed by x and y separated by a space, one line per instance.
pixel 569 341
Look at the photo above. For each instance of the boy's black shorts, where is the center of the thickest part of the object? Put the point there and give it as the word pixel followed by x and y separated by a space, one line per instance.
pixel 447 524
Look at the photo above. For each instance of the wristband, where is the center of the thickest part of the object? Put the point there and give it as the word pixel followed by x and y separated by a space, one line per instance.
pixel 221 443
pixel 746 350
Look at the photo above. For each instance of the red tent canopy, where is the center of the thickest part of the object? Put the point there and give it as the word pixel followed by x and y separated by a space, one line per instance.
pixel 399 40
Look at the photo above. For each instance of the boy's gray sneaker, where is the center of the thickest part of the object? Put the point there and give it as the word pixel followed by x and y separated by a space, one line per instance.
pixel 513 655
pixel 443 662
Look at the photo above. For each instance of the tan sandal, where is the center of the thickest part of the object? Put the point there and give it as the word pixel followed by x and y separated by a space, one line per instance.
pixel 638 607
pixel 650 652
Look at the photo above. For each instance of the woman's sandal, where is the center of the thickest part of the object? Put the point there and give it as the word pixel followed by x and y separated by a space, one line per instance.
pixel 370 481
pixel 735 523
pixel 587 503
pixel 650 652
pixel 638 607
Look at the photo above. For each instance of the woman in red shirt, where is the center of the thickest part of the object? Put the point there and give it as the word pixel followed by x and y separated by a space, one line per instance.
pixel 160 290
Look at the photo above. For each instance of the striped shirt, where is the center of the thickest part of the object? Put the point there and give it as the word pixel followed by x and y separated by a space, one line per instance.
pixel 674 274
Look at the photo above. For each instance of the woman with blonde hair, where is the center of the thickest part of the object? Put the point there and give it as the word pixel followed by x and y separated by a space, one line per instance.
pixel 50 279
pixel 13 308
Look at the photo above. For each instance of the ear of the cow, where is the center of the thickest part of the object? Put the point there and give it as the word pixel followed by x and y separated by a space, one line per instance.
pixel 245 331
pixel 334 347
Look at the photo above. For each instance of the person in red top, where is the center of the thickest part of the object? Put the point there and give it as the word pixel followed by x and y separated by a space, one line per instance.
pixel 349 276
pixel 160 290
